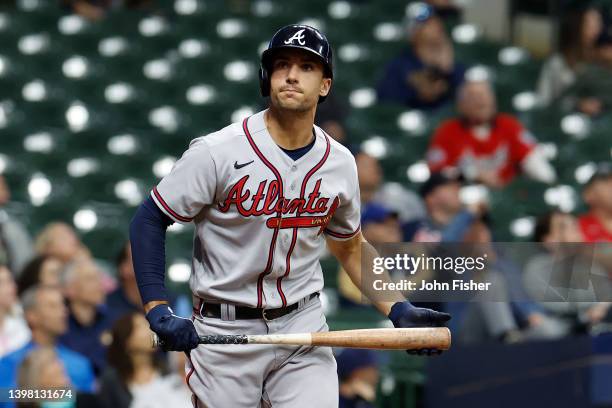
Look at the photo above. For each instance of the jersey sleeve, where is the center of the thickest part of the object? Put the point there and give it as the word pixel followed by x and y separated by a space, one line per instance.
pixel 190 186
pixel 346 220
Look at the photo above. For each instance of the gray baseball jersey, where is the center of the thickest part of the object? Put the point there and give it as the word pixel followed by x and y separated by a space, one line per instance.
pixel 260 216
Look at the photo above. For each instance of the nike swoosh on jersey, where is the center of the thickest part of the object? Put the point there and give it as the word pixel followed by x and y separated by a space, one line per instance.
pixel 239 166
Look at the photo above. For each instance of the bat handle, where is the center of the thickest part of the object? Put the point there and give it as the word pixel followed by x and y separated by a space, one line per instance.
pixel 207 339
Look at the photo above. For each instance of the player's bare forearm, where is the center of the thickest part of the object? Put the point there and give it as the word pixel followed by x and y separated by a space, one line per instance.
pixel 350 254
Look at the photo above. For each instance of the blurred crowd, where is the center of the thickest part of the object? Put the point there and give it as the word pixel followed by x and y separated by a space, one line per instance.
pixel 67 319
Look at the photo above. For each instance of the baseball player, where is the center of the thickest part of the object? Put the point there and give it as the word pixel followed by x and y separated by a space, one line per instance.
pixel 265 196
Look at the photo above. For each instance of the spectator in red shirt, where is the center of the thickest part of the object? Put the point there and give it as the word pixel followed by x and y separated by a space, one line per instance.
pixel 596 225
pixel 486 146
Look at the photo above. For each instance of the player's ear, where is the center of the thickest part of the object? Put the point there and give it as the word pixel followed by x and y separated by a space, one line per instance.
pixel 325 86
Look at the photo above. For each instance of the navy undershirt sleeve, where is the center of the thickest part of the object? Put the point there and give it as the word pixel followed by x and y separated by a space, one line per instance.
pixel 148 242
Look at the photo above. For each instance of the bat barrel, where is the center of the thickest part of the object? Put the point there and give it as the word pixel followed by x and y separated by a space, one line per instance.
pixel 387 339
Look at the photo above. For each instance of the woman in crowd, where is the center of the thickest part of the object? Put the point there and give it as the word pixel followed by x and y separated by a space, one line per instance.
pixel 134 378
pixel 578 34
pixel 42 270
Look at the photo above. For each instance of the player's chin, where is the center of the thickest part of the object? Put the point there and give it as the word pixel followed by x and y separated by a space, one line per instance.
pixel 293 104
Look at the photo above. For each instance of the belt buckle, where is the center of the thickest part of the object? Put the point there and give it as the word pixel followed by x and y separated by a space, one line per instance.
pixel 263 315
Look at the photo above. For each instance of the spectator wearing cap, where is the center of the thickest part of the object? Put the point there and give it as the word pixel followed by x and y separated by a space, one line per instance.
pixel 14 332
pixel 358 375
pixel 486 146
pixel 46 316
pixel 15 242
pixel 447 220
pixel 88 319
pixel 379 225
pixel 425 75
pixel 596 224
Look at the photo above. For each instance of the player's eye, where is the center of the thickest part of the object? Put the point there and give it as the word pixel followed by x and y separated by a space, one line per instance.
pixel 307 67
pixel 281 64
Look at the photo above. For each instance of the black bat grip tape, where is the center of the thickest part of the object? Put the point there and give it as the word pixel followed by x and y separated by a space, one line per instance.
pixel 224 339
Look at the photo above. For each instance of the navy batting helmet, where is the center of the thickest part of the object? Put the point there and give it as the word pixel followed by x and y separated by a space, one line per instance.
pixel 296 36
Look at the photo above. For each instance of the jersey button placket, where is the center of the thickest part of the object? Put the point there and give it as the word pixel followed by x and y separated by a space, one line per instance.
pixel 293 169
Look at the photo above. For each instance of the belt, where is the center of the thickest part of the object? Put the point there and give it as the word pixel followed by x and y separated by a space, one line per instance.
pixel 243 312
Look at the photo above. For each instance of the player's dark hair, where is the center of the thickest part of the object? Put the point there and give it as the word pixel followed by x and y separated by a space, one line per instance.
pixel 30 274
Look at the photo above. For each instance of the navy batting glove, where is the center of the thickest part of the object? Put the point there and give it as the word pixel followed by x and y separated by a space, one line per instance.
pixel 406 315
pixel 176 333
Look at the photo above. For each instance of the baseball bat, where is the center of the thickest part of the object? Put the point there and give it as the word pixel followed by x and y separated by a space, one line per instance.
pixel 381 339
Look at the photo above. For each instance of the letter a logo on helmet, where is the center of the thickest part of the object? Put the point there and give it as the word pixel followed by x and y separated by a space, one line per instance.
pixel 299 36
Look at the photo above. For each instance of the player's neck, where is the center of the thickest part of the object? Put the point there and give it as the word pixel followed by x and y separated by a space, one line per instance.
pixel 289 130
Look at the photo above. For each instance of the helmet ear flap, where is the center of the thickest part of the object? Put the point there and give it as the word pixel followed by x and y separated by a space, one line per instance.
pixel 264 81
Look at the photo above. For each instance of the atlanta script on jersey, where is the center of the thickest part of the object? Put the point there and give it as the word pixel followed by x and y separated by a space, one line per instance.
pixel 260 216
